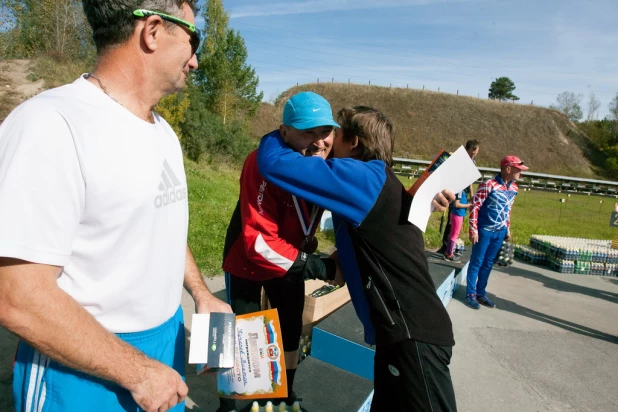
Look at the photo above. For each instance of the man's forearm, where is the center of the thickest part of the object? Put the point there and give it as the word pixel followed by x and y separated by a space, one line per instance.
pixel 205 301
pixel 34 308
pixel 194 281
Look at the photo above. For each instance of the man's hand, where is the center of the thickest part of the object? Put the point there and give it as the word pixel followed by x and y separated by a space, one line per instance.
pixel 207 303
pixel 160 388
pixel 442 200
pixel 474 238
pixel 339 280
pixel 508 236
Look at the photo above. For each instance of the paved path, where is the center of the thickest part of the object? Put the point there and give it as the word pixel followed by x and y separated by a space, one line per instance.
pixel 551 345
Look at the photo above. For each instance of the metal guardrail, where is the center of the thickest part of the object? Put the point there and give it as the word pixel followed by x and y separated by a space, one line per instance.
pixel 414 168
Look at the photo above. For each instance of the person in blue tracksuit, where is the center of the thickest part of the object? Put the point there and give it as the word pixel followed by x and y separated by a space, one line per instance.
pixel 381 254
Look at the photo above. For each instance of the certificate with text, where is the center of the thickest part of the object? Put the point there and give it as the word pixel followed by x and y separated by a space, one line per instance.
pixel 259 366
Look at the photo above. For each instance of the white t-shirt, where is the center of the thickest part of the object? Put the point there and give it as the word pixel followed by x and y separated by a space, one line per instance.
pixel 87 185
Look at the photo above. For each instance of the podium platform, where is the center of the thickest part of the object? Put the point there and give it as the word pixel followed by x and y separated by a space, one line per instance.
pixel 447 276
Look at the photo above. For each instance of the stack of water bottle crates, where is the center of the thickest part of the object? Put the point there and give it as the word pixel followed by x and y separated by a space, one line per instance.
pixel 571 255
pixel 530 255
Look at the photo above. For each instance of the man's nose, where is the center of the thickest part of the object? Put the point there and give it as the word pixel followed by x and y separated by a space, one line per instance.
pixel 193 62
pixel 319 143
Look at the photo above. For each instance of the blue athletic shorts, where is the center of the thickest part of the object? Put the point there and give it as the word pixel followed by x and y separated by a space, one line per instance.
pixel 43 385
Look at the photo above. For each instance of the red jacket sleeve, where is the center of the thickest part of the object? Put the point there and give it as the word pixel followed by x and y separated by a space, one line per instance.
pixel 259 201
pixel 479 198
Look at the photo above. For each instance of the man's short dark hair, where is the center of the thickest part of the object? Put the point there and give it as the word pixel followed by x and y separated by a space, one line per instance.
pixel 472 144
pixel 374 131
pixel 113 23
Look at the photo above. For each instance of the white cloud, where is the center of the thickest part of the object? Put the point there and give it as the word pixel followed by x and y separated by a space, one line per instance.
pixel 323 6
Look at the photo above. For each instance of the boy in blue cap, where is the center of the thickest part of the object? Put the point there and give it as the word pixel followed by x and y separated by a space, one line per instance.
pixel 270 240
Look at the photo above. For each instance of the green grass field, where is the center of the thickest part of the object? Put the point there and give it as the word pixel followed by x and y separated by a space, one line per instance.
pixel 539 212
pixel 213 193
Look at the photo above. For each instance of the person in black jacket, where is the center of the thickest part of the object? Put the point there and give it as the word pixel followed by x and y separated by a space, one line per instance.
pixel 381 254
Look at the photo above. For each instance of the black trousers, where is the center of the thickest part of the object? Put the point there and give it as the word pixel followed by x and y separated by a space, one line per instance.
pixel 445 236
pixel 287 295
pixel 413 376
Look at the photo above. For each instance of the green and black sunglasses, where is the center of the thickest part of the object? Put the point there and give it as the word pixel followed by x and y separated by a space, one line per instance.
pixel 196 35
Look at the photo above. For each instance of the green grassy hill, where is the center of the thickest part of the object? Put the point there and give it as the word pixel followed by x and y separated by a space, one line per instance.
pixel 426 122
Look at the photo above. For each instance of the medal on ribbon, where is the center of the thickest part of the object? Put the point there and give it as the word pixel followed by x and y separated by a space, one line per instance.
pixel 307 223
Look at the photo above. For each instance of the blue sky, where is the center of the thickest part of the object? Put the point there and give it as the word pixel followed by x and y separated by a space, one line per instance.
pixel 545 46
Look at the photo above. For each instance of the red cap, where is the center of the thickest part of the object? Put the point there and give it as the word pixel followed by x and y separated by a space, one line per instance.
pixel 513 161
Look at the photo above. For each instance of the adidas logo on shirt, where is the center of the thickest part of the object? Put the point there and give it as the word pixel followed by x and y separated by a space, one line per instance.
pixel 171 188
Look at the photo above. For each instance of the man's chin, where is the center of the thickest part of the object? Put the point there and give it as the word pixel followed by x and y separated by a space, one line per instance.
pixel 319 153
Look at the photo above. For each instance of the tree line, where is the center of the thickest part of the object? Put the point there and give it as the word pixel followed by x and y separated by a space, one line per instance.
pixel 211 116
pixel 602 133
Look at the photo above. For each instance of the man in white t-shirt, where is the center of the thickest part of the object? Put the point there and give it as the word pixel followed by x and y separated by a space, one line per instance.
pixel 93 223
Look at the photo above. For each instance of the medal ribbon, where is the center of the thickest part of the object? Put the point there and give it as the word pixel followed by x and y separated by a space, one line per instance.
pixel 314 213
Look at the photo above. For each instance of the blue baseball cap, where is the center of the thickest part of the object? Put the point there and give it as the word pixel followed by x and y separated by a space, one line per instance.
pixel 307 110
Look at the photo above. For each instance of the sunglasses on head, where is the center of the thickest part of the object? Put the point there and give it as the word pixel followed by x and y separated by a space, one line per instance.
pixel 196 35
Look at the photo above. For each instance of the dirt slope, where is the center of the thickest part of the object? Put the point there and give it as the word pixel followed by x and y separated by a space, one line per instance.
pixel 15 87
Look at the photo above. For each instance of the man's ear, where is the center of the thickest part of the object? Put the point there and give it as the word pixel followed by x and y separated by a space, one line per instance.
pixel 283 131
pixel 151 32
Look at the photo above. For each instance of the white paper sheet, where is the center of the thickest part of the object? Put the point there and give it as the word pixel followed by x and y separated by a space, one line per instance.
pixel 456 173
pixel 198 349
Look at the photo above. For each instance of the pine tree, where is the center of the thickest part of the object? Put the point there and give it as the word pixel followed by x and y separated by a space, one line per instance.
pixel 502 89
pixel 227 81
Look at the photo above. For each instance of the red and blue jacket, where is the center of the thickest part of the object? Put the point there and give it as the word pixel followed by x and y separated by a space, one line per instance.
pixel 492 205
